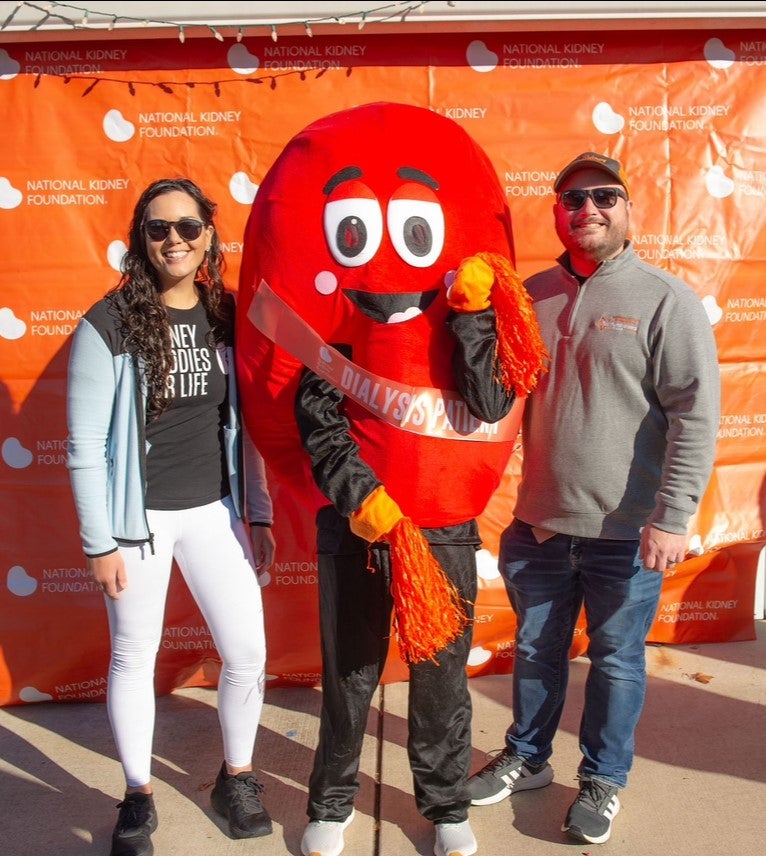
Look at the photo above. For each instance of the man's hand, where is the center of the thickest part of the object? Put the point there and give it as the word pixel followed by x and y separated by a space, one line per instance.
pixel 661 550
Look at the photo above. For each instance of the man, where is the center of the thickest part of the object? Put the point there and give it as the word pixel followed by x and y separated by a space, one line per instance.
pixel 619 441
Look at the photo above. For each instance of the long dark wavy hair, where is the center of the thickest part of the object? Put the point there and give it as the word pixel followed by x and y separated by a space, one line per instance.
pixel 145 325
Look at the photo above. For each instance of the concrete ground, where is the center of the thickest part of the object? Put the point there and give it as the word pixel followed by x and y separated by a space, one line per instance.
pixel 698 786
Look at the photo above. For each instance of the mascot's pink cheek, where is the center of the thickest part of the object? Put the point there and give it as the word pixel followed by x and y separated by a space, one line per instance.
pixel 325 282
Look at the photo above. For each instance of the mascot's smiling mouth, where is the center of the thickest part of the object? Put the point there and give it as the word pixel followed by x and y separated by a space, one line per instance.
pixel 391 308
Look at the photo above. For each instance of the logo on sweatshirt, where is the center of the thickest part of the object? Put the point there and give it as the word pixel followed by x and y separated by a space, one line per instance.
pixel 617 322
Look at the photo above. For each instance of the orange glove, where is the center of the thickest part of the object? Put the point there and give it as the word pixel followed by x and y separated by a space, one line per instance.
pixel 471 288
pixel 376 516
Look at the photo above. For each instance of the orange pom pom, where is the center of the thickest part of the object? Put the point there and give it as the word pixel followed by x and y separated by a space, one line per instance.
pixel 428 609
pixel 522 354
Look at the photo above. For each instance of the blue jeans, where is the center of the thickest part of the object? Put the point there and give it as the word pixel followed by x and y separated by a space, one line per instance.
pixel 547 584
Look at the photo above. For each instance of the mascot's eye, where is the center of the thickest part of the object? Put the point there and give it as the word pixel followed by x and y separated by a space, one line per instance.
pixel 417 230
pixel 353 230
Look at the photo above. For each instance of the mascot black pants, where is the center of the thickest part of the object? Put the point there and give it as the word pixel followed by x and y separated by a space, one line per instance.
pixel 355 606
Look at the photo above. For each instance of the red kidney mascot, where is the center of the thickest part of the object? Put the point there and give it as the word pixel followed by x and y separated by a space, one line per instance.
pixel 384 345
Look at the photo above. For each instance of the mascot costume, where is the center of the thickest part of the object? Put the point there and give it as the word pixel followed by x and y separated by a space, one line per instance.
pixel 385 344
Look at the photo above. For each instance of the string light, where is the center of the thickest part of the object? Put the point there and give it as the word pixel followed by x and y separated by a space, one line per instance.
pixel 86 15
pixel 41 21
pixel 12 15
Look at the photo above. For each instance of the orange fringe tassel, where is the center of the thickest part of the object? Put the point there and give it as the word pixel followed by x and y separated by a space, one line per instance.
pixel 522 353
pixel 428 609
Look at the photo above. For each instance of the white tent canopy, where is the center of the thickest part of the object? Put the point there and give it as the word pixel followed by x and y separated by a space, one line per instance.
pixel 45 20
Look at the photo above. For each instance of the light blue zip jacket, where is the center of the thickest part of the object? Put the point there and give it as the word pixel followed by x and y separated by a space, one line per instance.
pixel 106 457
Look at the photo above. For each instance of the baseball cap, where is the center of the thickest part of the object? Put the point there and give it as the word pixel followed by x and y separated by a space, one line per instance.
pixel 593 160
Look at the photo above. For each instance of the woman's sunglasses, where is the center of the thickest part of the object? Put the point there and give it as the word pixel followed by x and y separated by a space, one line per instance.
pixel 603 197
pixel 188 229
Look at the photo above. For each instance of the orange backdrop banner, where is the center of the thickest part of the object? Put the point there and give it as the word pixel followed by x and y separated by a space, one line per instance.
pixel 88 123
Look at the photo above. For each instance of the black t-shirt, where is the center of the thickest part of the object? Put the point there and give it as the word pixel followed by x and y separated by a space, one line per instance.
pixel 186 464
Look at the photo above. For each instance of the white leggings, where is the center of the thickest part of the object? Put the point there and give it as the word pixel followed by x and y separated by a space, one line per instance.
pixel 212 549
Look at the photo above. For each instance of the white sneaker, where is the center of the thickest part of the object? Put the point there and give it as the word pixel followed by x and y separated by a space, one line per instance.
pixel 454 839
pixel 324 837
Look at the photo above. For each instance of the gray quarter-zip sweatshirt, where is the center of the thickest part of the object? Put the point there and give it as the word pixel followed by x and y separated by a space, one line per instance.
pixel 621 431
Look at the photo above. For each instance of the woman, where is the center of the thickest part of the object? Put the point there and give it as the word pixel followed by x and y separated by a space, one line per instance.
pixel 156 457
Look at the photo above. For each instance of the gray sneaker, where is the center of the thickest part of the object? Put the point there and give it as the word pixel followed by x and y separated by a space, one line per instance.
pixel 507 774
pixel 590 816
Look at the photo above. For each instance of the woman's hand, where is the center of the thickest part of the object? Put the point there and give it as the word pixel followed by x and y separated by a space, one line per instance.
pixel 109 573
pixel 264 545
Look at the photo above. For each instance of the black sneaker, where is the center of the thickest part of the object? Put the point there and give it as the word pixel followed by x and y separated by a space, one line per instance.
pixel 590 816
pixel 238 799
pixel 507 774
pixel 135 825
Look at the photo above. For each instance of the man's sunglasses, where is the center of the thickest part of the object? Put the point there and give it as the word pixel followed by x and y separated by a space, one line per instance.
pixel 188 229
pixel 603 197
